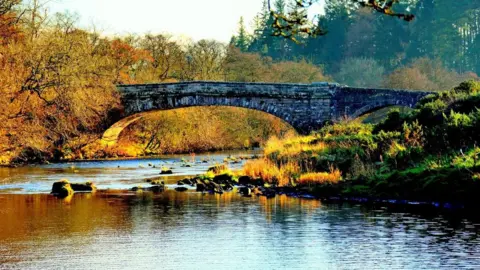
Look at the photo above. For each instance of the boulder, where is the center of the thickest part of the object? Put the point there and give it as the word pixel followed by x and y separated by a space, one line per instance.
pixel 216 188
pixel 218 168
pixel 185 181
pixel 244 180
pixel 157 183
pixel 62 189
pixel 201 187
pixel 157 188
pixel 166 171
pixel 87 187
pixel 138 188
pixel 222 178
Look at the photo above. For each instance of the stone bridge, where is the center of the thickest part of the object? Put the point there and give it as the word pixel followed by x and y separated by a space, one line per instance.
pixel 305 107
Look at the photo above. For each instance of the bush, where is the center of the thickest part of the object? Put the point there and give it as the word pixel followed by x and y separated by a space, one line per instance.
pixel 469 87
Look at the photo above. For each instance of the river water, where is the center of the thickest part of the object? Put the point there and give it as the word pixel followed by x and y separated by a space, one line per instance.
pixel 190 230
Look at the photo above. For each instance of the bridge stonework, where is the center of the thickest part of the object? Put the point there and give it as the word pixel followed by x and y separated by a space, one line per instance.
pixel 304 106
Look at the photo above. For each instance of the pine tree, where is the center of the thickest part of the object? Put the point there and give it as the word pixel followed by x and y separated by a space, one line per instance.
pixel 242 41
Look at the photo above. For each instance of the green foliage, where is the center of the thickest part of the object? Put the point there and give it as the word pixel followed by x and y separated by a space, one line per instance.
pixel 471 159
pixel 393 122
pixel 242 40
pixel 469 87
pixel 429 154
pixel 435 51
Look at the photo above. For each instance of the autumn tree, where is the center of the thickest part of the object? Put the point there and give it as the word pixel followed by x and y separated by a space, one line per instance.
pixel 360 72
pixel 245 67
pixel 166 58
pixel 204 61
pixel 124 57
pixel 8 21
pixel 296 72
pixel 426 74
pixel 56 90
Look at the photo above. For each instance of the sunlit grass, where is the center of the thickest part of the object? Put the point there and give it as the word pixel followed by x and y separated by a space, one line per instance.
pixel 332 177
pixel 293 147
pixel 271 173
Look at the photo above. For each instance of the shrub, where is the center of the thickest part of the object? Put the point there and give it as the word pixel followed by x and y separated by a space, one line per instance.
pixel 470 87
pixel 393 122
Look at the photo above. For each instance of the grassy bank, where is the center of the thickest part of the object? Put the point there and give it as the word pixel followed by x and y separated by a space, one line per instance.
pixel 428 154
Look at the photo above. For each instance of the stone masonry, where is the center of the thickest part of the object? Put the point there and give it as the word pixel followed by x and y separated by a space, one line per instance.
pixel 304 106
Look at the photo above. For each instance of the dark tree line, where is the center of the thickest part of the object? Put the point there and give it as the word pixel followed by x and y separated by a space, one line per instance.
pixel 445 30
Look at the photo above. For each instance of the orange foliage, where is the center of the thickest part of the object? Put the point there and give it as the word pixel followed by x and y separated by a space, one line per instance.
pixel 125 56
pixel 8 28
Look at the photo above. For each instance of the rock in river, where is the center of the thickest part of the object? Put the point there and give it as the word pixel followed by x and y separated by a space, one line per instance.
pixel 87 187
pixel 62 189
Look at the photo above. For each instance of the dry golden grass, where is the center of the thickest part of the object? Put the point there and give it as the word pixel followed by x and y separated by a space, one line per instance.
pixel 296 150
pixel 271 173
pixel 332 177
pixel 293 147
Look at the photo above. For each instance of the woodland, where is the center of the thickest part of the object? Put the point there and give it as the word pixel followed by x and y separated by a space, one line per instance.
pixel 58 81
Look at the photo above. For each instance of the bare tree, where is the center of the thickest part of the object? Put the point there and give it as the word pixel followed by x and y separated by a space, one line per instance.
pixel 204 60
pixel 166 55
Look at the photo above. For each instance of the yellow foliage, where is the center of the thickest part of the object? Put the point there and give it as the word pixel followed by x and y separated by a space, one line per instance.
pixel 395 148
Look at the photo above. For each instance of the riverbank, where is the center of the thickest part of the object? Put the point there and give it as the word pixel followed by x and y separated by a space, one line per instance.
pixel 198 156
pixel 429 154
pixel 179 131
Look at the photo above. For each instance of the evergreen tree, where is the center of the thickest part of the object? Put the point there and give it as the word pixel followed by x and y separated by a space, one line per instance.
pixel 443 29
pixel 264 42
pixel 242 41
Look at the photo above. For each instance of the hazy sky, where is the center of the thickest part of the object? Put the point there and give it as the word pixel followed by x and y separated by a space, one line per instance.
pixel 198 19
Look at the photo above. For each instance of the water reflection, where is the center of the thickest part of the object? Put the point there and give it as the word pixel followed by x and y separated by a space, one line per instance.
pixel 189 230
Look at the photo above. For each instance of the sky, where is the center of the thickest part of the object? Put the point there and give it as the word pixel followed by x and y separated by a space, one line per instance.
pixel 196 19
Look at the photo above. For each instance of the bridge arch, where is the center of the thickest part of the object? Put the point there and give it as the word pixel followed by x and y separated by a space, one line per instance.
pixel 354 102
pixel 305 107
pixel 112 135
pixel 377 106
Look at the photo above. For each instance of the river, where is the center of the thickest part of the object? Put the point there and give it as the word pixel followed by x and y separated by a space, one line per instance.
pixel 190 230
